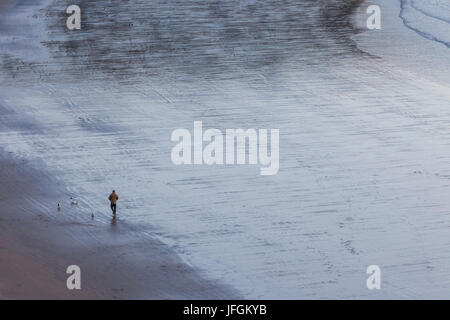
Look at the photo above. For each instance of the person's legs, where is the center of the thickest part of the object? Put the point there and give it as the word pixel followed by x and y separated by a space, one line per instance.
pixel 114 209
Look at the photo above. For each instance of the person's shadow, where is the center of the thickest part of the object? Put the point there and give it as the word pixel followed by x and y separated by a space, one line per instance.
pixel 113 221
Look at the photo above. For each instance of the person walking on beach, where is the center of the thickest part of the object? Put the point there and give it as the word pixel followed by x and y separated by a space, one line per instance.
pixel 113 197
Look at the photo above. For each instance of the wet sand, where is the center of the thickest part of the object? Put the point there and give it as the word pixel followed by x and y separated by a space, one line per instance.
pixel 6 4
pixel 115 263
pixel 364 174
pixel 38 243
pixel 117 260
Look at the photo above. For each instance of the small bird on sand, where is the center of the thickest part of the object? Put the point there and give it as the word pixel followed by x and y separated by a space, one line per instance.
pixel 73 201
pixel 92 215
pixel 59 206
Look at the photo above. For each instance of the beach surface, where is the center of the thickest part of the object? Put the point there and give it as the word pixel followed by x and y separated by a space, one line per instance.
pixel 364 125
pixel 115 263
pixel 38 243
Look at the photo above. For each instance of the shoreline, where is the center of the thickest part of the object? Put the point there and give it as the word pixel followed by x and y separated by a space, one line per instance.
pixel 115 262
pixel 396 54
